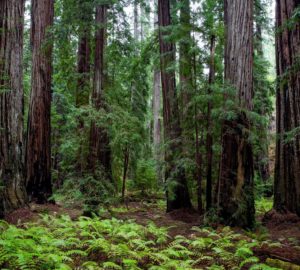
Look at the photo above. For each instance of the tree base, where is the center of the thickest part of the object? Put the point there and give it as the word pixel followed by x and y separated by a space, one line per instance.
pixel 278 217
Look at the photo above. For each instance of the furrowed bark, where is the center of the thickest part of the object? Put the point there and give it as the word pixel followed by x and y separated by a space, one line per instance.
pixel 38 153
pixel 83 54
pixel 287 164
pixel 186 87
pixel 235 188
pixel 84 77
pixel 100 153
pixel 12 181
pixel 209 137
pixel 177 194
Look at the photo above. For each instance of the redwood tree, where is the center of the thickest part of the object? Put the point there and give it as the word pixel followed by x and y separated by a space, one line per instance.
pixel 83 70
pixel 12 192
pixel 287 165
pixel 209 136
pixel 100 153
pixel 235 199
pixel 38 157
pixel 185 65
pixel 177 190
pixel 187 87
pixel 83 53
pixel 83 88
pixel 157 125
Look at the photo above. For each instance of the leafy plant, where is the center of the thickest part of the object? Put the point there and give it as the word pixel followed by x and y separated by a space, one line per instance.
pixel 93 243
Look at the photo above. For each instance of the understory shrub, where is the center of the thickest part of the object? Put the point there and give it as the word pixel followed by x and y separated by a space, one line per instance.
pixel 94 244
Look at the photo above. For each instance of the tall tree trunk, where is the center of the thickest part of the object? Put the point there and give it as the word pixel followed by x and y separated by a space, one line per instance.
pixel 100 153
pixel 198 154
pixel 157 128
pixel 157 137
pixel 262 156
pixel 125 170
pixel 12 192
pixel 235 187
pixel 186 84
pixel 177 194
pixel 83 53
pixel 185 57
pixel 38 157
pixel 83 69
pixel 84 76
pixel 185 76
pixel 209 138
pixel 136 21
pixel 198 166
pixel 287 165
pixel 142 16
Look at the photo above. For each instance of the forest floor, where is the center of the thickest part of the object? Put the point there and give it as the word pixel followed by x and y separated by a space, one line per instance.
pixel 279 239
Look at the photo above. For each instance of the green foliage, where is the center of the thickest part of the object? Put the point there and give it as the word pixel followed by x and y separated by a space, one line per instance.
pixel 87 191
pixel 93 243
pixel 263 205
pixel 33 248
pixel 145 178
pixel 127 117
pixel 263 266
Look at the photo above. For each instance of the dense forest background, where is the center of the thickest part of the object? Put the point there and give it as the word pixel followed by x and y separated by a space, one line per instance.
pixel 191 107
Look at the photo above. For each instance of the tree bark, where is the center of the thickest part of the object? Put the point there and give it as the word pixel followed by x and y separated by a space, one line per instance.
pixel 12 181
pixel 185 76
pixel 157 136
pixel 209 137
pixel 157 128
pixel 235 188
pixel 198 154
pixel 185 58
pixel 186 86
pixel 287 165
pixel 84 76
pixel 177 190
pixel 198 166
pixel 38 153
pixel 125 170
pixel 83 70
pixel 83 56
pixel 100 153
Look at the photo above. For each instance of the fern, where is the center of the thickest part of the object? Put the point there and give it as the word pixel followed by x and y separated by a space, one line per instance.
pixel 250 260
pixel 60 243
pixel 243 252
pixel 262 266
pixel 111 265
